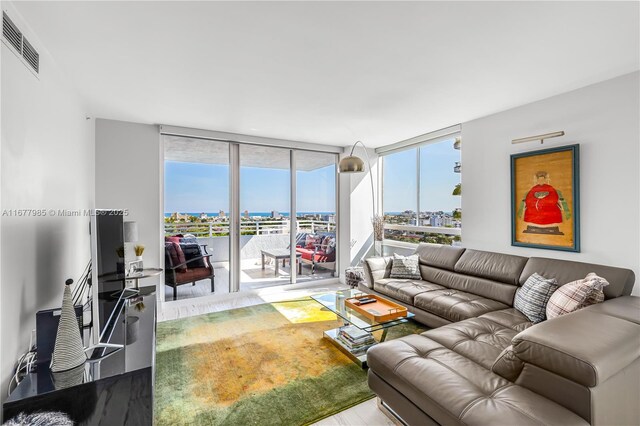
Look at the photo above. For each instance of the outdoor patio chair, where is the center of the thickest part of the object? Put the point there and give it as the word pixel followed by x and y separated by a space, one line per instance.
pixel 186 263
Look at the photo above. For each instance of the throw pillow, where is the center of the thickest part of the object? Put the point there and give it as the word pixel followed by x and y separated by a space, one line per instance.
pixel 188 240
pixel 173 239
pixel 330 245
pixel 176 254
pixel 405 267
pixel 576 295
pixel 311 241
pixel 531 299
pixel 192 251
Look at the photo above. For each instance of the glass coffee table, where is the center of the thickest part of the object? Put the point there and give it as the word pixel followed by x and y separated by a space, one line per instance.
pixel 335 302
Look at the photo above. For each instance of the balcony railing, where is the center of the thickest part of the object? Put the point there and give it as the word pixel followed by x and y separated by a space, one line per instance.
pixel 414 234
pixel 267 227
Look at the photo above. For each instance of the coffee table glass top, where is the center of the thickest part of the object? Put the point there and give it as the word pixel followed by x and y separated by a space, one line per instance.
pixel 335 302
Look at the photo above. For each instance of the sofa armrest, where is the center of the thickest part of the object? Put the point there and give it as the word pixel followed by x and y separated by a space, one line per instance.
pixel 585 347
pixel 376 268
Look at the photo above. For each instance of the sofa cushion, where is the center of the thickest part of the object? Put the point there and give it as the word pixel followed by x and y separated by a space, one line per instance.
pixel 620 280
pixel 455 305
pixel 510 318
pixel 585 347
pixel 505 268
pixel 376 268
pixel 454 389
pixel 405 267
pixel 316 255
pixel 531 299
pixel 438 255
pixel 478 339
pixel 626 307
pixel 193 274
pixel 576 295
pixel 404 289
pixel 481 286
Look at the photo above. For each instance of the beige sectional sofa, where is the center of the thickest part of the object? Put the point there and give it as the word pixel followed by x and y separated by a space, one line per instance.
pixel 483 362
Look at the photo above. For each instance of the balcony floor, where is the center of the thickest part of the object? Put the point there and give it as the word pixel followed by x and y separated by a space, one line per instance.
pixel 252 277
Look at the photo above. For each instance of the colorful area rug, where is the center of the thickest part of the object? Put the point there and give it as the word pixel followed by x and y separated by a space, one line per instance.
pixel 264 364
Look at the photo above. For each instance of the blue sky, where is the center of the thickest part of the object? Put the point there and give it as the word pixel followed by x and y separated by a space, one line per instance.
pixel 437 179
pixel 195 187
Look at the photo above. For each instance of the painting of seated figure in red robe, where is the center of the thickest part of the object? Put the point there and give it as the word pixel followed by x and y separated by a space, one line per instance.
pixel 543 206
pixel 545 198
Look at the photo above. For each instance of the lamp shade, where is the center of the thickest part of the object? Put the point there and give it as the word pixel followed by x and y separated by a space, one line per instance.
pixel 351 164
pixel 130 232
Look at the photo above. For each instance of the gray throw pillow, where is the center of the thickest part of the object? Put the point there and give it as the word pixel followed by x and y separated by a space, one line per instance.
pixel 531 299
pixel 405 267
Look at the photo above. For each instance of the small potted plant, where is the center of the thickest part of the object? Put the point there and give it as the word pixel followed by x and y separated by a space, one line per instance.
pixel 139 249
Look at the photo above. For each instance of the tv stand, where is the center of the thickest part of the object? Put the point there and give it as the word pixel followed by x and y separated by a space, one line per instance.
pixel 115 389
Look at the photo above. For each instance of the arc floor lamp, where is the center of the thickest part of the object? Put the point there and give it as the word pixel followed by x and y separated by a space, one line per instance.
pixel 354 164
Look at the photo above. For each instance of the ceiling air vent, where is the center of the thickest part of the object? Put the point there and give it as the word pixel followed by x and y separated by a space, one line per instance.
pixel 11 33
pixel 30 55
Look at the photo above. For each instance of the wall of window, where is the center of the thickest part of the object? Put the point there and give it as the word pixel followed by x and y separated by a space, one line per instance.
pixel 421 193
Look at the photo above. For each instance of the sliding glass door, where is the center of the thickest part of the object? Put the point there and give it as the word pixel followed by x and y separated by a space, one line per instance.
pixel 265 200
pixel 316 214
pixel 196 217
pixel 255 216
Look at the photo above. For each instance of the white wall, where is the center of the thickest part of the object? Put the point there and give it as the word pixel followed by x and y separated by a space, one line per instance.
pixel 47 159
pixel 605 120
pixel 128 177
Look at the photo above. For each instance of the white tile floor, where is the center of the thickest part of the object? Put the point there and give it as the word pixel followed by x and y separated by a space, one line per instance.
pixel 366 413
pixel 252 277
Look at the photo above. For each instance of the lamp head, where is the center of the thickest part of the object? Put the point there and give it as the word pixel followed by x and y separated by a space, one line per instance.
pixel 351 164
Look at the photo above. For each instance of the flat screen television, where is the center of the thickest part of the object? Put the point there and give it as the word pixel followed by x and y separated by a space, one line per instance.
pixel 108 271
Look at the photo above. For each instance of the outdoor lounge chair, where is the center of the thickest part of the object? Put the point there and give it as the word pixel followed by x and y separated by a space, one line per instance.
pixel 186 263
pixel 318 254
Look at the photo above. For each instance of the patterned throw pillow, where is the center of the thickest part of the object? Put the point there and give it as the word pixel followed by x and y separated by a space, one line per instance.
pixel 576 295
pixel 311 241
pixel 405 267
pixel 531 299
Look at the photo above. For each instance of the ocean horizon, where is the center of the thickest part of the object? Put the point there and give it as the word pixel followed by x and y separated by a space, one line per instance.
pixel 252 214
pixel 268 214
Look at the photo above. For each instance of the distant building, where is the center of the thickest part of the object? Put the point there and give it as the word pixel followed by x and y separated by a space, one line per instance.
pixel 329 218
pixel 440 220
pixel 179 216
pixel 204 216
pixel 246 214
pixel 222 214
pixel 275 214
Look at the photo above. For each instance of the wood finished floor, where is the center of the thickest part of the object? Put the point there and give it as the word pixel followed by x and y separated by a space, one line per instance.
pixel 364 414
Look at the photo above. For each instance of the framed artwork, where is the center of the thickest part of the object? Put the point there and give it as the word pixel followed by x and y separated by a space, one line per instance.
pixel 545 210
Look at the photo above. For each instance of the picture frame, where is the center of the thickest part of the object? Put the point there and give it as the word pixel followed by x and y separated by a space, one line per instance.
pixel 545 198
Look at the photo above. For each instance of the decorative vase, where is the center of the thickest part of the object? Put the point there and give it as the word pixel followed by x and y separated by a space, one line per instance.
pixel 68 352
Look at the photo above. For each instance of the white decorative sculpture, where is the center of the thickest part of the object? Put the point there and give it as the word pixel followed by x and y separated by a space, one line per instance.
pixel 68 352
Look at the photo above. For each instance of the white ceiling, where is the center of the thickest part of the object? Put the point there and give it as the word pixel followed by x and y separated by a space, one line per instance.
pixel 192 150
pixel 330 72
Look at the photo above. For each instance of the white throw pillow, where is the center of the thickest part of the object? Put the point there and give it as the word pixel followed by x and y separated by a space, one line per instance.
pixel 576 295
